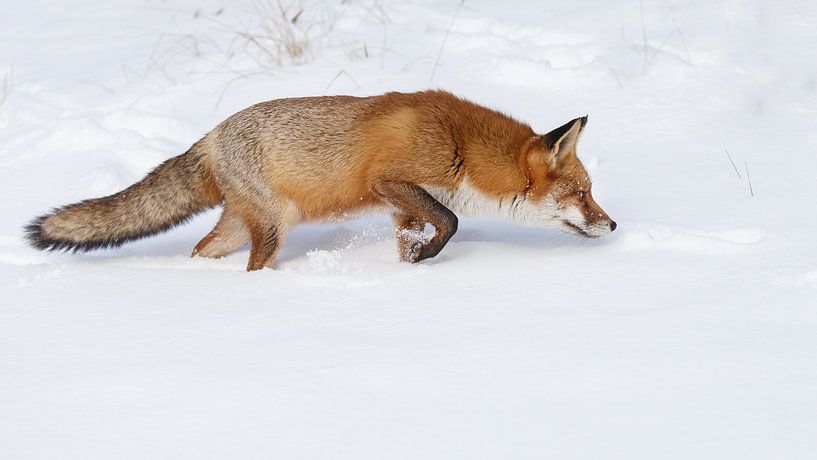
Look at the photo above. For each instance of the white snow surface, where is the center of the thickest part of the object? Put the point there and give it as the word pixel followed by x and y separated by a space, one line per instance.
pixel 690 332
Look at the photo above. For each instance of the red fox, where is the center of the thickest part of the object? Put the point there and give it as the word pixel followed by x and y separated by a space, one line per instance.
pixel 422 156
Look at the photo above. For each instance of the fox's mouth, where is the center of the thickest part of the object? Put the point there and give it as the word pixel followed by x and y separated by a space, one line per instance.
pixel 578 230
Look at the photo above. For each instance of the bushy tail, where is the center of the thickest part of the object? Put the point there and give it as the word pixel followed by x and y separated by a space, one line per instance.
pixel 172 193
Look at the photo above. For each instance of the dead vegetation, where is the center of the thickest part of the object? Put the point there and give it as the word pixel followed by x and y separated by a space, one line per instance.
pixel 281 34
pixel 255 38
pixel 270 34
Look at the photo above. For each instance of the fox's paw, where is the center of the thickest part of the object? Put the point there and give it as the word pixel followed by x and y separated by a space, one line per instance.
pixel 421 251
pixel 413 253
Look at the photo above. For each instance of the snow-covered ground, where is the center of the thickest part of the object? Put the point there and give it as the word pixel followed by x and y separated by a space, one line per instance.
pixel 691 332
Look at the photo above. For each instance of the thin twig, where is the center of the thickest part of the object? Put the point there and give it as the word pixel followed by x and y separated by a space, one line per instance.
pixel 162 70
pixel 680 34
pixel 445 39
pixel 8 84
pixel 751 190
pixel 125 70
pixel 5 89
pixel 615 75
pixel 98 85
pixel 341 72
pixel 644 33
pixel 661 46
pixel 733 163
pixel 233 80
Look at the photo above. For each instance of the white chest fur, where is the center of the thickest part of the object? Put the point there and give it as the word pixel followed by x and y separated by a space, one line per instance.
pixel 467 200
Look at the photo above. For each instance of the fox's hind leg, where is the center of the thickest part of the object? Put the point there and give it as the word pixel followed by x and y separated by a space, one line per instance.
pixel 412 200
pixel 268 227
pixel 229 234
pixel 408 231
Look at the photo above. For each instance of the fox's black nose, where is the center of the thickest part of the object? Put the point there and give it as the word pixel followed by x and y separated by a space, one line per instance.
pixel 613 225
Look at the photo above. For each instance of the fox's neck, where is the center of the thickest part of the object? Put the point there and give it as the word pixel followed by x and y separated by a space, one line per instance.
pixel 492 147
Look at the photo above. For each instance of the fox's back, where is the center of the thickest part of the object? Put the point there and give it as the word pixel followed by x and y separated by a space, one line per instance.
pixel 316 151
pixel 292 147
pixel 289 133
pixel 322 152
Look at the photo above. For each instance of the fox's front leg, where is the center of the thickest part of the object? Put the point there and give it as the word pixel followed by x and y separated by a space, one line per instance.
pixel 408 231
pixel 419 208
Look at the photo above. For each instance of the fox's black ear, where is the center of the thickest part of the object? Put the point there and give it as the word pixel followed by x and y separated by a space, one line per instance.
pixel 561 142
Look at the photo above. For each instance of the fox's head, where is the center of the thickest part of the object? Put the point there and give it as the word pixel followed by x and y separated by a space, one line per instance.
pixel 559 191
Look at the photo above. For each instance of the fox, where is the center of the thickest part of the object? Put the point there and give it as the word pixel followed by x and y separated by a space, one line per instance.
pixel 424 157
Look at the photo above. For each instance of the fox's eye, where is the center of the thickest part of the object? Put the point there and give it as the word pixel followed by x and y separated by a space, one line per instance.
pixel 581 194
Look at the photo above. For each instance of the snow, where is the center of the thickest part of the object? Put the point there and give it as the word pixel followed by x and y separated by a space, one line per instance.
pixel 687 333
